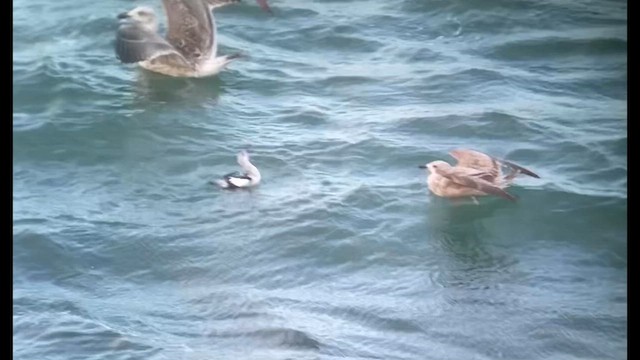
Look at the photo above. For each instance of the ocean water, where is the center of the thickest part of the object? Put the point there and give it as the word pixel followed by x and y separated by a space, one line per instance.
pixel 123 250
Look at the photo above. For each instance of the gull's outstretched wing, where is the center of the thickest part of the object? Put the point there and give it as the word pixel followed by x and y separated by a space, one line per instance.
pixel 477 160
pixel 218 3
pixel 134 44
pixel 190 28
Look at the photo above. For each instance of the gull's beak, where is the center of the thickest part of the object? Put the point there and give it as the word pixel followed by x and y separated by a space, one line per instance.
pixel 123 15
pixel 422 166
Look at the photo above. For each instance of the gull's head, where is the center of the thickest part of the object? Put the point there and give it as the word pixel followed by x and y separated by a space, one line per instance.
pixel 434 166
pixel 143 15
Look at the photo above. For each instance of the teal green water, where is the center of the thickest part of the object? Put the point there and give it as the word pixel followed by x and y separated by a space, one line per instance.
pixel 122 250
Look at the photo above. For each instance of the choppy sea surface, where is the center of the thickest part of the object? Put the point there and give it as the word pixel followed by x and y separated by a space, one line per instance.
pixel 123 250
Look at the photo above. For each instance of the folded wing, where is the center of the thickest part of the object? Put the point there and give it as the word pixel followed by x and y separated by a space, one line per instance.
pixel 237 179
pixel 475 181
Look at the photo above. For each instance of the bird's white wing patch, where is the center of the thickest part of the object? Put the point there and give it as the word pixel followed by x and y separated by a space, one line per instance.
pixel 239 182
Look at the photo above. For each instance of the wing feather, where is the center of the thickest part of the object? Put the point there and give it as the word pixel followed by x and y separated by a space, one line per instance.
pixel 239 181
pixel 135 44
pixel 190 27
pixel 477 160
pixel 220 3
pixel 462 178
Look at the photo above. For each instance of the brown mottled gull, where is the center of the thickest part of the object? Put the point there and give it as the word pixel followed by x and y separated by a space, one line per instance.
pixel 190 47
pixel 475 174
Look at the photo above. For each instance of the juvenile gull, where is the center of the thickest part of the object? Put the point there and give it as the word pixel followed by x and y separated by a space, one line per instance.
pixel 190 48
pixel 475 174
pixel 250 177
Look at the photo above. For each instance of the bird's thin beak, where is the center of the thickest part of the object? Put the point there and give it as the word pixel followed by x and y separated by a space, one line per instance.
pixel 422 166
pixel 123 15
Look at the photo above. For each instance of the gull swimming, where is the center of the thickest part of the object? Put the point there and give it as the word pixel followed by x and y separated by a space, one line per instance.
pixel 191 45
pixel 250 177
pixel 475 174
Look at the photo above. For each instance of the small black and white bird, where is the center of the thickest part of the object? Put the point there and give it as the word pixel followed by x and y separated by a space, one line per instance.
pixel 235 180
